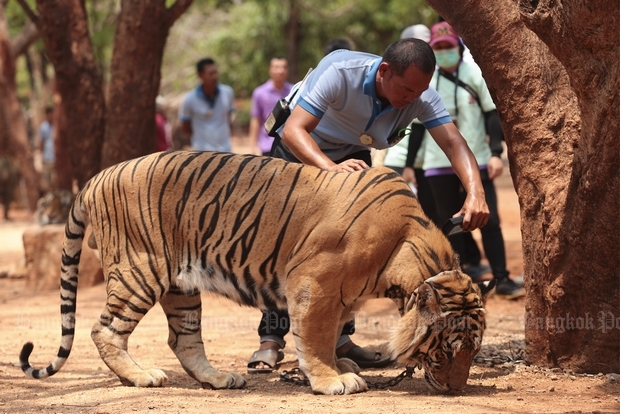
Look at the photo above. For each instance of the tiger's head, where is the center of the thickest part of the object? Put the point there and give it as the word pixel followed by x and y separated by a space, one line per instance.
pixel 54 207
pixel 441 329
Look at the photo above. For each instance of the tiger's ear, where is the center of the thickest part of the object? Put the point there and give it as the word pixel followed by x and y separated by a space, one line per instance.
pixel 424 298
pixel 411 302
pixel 486 287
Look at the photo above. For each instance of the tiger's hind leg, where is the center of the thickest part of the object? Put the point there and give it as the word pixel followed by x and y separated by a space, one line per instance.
pixel 184 313
pixel 122 313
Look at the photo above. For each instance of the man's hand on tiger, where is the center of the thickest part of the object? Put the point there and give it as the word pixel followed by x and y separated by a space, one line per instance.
pixel 349 166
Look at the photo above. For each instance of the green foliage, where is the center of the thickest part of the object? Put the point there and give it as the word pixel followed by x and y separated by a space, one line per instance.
pixel 15 16
pixel 101 17
pixel 243 112
pixel 243 35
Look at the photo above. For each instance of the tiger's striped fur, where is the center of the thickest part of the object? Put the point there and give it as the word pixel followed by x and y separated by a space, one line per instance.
pixel 268 234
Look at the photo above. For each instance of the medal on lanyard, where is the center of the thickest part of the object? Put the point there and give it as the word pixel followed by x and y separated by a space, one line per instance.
pixel 367 140
pixel 209 113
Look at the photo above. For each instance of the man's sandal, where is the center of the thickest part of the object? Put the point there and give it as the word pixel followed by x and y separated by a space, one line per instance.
pixel 269 357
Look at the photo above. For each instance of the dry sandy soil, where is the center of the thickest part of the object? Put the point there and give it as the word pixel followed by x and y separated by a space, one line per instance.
pixel 500 381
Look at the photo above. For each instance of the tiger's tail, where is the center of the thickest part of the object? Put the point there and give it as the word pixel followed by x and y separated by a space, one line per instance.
pixel 72 249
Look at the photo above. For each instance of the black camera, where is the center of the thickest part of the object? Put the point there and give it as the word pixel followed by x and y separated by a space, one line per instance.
pixel 277 117
pixel 453 226
pixel 281 111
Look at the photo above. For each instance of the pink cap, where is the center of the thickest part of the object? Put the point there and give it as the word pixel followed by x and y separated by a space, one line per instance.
pixel 443 32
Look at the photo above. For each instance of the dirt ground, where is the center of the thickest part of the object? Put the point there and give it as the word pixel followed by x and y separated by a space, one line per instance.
pixel 500 381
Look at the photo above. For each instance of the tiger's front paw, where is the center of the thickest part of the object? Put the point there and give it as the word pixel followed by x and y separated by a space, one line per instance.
pixel 226 380
pixel 348 383
pixel 147 378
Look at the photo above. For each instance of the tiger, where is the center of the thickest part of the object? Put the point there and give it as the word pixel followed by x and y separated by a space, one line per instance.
pixel 269 234
pixel 53 207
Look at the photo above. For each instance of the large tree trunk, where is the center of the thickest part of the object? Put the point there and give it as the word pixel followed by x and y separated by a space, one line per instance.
pixel 554 73
pixel 12 111
pixel 293 39
pixel 64 29
pixel 140 38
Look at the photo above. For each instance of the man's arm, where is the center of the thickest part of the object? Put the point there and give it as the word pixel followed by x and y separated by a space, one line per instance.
pixel 452 143
pixel 41 137
pixel 296 137
pixel 231 120
pixel 186 127
pixel 253 133
pixel 496 136
pixel 416 134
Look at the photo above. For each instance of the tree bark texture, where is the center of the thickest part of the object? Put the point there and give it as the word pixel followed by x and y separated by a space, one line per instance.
pixel 13 115
pixel 553 68
pixel 135 72
pixel 64 29
pixel 293 39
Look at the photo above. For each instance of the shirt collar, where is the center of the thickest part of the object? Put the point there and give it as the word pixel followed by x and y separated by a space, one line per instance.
pixel 285 88
pixel 201 93
pixel 370 82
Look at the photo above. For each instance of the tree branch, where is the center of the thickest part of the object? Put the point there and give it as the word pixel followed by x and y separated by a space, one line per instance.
pixel 29 12
pixel 177 9
pixel 25 38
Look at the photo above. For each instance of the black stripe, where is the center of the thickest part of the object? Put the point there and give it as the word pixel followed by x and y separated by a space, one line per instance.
pixel 63 352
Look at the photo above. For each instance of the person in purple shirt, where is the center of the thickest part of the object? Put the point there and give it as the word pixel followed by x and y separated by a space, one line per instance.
pixel 264 98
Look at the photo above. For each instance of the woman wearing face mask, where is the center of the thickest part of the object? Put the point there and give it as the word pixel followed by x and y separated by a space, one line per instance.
pixel 467 99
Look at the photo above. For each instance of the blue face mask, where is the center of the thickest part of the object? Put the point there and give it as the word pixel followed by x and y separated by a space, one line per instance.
pixel 447 58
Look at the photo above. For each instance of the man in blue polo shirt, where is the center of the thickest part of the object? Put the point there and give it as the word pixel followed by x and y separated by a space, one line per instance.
pixel 353 101
pixel 207 111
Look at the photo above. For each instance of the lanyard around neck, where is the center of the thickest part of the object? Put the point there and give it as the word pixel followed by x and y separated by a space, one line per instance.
pixel 441 73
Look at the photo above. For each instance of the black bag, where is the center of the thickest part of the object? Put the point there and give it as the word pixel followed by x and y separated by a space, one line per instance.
pixel 281 111
pixel 278 116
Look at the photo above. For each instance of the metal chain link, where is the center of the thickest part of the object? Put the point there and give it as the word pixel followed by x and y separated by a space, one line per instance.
pixel 516 357
pixel 497 360
pixel 407 373
pixel 297 377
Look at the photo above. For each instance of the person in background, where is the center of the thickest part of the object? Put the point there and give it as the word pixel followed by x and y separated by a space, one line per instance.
pixel 46 146
pixel 207 111
pixel 336 44
pixel 264 98
pixel 468 101
pixel 163 129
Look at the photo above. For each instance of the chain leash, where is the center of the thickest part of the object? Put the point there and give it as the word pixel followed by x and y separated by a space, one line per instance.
pixel 297 377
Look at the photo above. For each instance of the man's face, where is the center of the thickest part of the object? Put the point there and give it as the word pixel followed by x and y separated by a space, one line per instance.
pixel 209 75
pixel 402 90
pixel 278 70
